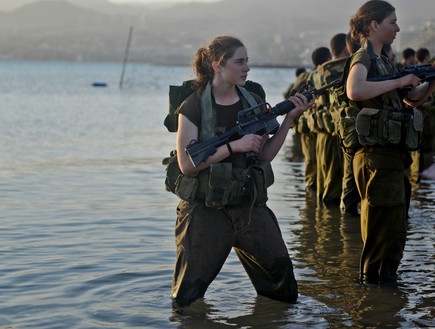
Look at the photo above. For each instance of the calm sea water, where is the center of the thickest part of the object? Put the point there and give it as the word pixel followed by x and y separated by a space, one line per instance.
pixel 86 227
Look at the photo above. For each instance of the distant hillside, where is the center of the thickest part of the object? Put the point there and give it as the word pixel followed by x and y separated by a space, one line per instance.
pixel 276 32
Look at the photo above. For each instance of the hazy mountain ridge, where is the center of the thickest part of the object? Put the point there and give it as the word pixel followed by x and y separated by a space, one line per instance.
pixel 277 32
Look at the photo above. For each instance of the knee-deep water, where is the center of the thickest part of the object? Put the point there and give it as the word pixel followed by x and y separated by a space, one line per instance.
pixel 86 226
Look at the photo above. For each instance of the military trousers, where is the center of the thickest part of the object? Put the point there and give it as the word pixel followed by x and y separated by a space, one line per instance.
pixel 329 169
pixel 380 179
pixel 350 196
pixel 204 237
pixel 308 141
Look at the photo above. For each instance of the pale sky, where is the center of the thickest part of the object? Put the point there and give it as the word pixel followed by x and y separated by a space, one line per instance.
pixel 159 1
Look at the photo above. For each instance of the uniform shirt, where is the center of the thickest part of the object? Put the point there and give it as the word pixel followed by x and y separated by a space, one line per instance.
pixel 363 58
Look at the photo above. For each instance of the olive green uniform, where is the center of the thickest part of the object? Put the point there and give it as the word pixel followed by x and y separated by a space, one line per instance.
pixel 331 165
pixel 349 195
pixel 204 238
pixel 205 235
pixel 308 142
pixel 328 151
pixel 380 175
pixel 307 137
pixel 340 157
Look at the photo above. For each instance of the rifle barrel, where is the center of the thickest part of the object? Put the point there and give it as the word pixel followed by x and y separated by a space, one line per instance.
pixel 260 123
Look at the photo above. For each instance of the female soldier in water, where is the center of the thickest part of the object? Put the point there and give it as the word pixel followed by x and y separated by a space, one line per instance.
pixel 224 198
pixel 379 165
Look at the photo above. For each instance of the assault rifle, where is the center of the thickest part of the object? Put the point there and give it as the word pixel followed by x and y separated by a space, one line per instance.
pixel 259 119
pixel 425 72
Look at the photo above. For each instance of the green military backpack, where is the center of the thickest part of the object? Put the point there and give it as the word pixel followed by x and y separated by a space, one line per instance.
pixel 177 95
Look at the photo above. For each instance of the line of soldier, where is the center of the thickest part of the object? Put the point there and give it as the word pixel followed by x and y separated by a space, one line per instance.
pixel 328 162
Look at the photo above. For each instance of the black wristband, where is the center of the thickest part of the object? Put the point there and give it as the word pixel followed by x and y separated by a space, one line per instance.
pixel 230 149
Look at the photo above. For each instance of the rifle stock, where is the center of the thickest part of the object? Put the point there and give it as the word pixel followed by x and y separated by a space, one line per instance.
pixel 259 119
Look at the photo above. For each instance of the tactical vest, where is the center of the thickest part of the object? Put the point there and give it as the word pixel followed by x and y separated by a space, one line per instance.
pixel 315 113
pixel 390 125
pixel 347 112
pixel 393 124
pixel 221 184
pixel 331 71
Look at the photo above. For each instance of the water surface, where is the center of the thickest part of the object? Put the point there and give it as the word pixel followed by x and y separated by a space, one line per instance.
pixel 86 227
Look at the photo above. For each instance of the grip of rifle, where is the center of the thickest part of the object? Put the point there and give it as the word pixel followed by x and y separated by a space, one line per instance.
pixel 286 106
pixel 283 107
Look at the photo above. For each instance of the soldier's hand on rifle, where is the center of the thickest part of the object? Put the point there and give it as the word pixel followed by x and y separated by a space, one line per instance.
pixel 409 81
pixel 248 143
pixel 301 104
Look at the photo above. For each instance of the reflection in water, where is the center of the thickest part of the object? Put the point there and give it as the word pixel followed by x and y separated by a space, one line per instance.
pixel 262 312
pixel 331 243
pixel 87 227
pixel 328 263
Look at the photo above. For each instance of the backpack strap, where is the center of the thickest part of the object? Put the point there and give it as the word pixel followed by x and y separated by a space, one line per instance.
pixel 248 96
pixel 208 112
pixel 343 93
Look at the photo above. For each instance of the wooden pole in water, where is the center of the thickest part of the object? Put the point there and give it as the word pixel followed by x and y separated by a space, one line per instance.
pixel 125 57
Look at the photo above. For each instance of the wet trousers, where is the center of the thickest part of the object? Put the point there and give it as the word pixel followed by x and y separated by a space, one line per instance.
pixel 204 238
pixel 380 179
pixel 308 141
pixel 350 196
pixel 329 169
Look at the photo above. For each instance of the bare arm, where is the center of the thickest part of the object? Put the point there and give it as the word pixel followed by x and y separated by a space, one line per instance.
pixel 359 89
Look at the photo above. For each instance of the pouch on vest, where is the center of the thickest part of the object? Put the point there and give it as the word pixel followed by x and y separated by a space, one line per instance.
pixel 311 122
pixel 320 113
pixel 373 128
pixel 183 186
pixel 262 174
pixel 172 171
pixel 383 127
pixel 414 130
pixel 328 123
pixel 346 127
pixel 186 187
pixel 335 117
pixel 220 185
pixel 302 126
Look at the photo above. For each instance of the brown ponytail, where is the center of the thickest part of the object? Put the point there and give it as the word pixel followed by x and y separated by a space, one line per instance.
pixel 218 50
pixel 373 10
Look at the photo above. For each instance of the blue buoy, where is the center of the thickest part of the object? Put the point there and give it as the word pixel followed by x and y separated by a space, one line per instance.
pixel 99 84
